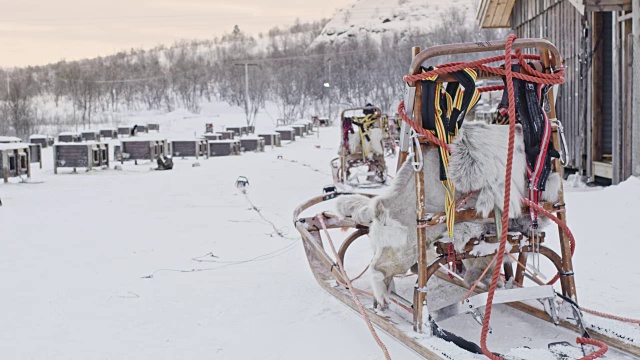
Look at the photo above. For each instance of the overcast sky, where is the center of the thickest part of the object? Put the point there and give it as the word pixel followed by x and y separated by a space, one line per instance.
pixel 35 32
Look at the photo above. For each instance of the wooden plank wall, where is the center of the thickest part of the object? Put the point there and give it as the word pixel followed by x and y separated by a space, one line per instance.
pixel 561 23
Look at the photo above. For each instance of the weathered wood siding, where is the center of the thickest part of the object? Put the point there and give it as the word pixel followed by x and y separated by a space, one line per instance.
pixel 154 127
pixel 124 130
pixel 561 23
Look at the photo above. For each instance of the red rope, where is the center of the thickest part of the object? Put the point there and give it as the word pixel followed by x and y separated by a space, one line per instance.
pixel 507 196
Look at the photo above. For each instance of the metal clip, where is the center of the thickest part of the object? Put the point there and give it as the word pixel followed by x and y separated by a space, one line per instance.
pixel 418 160
pixel 564 152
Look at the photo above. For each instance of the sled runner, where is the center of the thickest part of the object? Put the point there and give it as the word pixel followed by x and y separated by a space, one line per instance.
pixel 475 222
pixel 361 156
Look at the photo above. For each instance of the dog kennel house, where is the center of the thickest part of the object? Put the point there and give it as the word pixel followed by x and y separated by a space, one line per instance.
pixel 87 155
pixel 224 147
pixel 143 149
pixel 252 143
pixel 15 160
pixel 43 140
pixel 35 154
pixel 109 133
pixel 271 138
pixel 69 137
pixel 190 148
pixel 90 135
pixel 286 133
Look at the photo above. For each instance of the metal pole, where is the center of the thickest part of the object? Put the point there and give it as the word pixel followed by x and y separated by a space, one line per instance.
pixel 330 88
pixel 246 90
pixel 635 123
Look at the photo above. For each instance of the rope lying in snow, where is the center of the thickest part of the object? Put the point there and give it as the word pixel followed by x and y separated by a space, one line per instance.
pixel 270 255
pixel 276 231
pixel 353 292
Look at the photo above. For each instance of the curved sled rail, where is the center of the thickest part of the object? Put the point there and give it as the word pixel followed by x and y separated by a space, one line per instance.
pixel 325 271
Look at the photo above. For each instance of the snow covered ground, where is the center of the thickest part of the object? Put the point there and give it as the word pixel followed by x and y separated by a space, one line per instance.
pixel 141 264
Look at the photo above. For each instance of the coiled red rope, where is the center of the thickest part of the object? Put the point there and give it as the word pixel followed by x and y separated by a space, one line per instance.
pixel 507 72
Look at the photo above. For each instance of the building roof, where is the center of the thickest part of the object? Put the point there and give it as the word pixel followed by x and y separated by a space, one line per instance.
pixel 495 13
pixel 66 133
pixel 39 136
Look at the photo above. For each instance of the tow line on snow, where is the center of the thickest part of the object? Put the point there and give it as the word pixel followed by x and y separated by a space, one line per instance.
pixel 241 184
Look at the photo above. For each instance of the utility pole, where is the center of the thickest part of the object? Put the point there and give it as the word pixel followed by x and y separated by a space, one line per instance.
pixel 635 104
pixel 246 87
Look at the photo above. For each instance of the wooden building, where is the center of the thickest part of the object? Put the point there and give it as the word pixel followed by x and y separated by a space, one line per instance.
pixel 86 155
pixel 595 102
pixel 15 160
pixel 35 154
pixel 43 140
pixel 190 148
pixel 153 127
pixel 69 137
pixel 109 133
pixel 143 149
pixel 224 147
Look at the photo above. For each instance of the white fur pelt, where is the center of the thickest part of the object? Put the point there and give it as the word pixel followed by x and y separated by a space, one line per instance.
pixel 373 147
pixel 477 163
pixel 392 230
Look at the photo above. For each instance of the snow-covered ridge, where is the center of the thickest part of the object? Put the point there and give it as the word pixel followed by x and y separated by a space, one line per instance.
pixel 379 17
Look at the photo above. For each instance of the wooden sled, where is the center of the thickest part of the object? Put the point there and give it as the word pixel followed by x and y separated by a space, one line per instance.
pixel 407 329
pixel 344 167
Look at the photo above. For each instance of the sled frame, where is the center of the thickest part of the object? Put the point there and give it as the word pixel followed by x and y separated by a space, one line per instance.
pixel 550 58
pixel 348 161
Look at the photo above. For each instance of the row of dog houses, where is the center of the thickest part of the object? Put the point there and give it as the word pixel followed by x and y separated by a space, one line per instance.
pixel 90 152
pixel 92 135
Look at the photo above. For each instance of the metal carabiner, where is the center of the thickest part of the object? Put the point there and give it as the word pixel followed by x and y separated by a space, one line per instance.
pixel 417 153
pixel 564 152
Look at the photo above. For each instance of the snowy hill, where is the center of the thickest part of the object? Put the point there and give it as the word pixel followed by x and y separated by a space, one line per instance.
pixel 379 17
